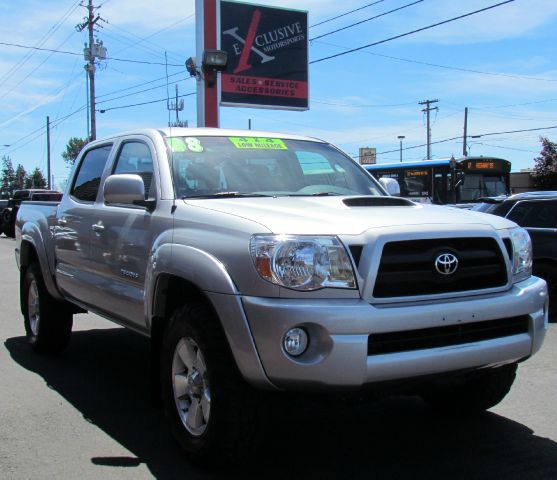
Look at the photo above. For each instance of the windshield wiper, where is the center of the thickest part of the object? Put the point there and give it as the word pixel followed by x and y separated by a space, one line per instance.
pixel 316 194
pixel 226 195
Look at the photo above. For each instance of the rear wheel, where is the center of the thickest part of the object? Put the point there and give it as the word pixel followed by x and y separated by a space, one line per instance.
pixel 211 410
pixel 475 394
pixel 48 323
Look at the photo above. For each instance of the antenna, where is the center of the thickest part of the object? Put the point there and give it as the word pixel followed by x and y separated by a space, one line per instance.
pixel 167 89
pixel 173 208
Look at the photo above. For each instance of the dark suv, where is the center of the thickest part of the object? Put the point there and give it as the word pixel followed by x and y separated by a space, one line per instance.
pixel 537 212
pixel 9 212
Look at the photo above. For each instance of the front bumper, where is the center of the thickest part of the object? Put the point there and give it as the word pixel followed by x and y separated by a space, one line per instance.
pixel 339 330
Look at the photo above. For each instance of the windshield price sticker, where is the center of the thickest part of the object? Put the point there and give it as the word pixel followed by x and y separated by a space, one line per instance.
pixel 258 143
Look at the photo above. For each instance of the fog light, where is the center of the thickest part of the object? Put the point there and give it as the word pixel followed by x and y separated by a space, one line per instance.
pixel 295 341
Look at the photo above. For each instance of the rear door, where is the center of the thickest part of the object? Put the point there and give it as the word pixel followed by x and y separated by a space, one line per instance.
pixel 72 233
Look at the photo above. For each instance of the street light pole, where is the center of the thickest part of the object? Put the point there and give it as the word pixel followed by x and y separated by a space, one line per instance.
pixel 401 137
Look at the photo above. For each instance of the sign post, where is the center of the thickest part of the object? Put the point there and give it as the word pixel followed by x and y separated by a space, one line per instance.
pixel 206 28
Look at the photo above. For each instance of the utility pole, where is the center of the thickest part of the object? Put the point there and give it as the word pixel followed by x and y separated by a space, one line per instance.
pixel 401 138
pixel 177 106
pixel 94 50
pixel 465 135
pixel 48 182
pixel 428 109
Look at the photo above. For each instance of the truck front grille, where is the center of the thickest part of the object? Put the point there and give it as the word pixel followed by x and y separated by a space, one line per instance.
pixel 407 268
pixel 392 342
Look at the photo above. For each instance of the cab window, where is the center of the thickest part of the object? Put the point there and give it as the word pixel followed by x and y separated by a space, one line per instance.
pixel 90 170
pixel 136 158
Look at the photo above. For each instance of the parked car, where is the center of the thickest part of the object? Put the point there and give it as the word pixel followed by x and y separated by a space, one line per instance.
pixel 9 212
pixel 537 213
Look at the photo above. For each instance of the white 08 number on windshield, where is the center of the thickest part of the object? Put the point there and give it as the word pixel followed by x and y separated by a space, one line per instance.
pixel 194 145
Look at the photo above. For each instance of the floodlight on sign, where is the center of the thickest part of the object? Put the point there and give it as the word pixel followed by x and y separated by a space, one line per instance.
pixel 215 60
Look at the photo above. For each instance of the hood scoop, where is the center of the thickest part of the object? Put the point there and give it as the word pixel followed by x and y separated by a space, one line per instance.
pixel 377 202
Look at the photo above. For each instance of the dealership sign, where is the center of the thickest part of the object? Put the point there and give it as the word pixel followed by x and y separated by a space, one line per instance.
pixel 267 56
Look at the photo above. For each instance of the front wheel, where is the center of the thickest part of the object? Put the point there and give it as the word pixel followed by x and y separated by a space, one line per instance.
pixel 48 323
pixel 475 394
pixel 210 409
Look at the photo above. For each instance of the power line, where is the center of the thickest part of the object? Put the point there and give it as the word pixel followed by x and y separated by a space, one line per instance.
pixel 505 148
pixel 140 40
pixel 447 67
pixel 346 13
pixel 81 54
pixel 515 131
pixel 118 91
pixel 363 105
pixel 34 69
pixel 141 84
pixel 478 135
pixel 40 43
pixel 53 125
pixel 411 32
pixel 366 20
pixel 136 93
pixel 144 103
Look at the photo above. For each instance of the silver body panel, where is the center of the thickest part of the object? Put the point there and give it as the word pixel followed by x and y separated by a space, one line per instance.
pixel 114 270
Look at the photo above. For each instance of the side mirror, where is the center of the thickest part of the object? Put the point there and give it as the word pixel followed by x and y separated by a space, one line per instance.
pixel 391 185
pixel 127 189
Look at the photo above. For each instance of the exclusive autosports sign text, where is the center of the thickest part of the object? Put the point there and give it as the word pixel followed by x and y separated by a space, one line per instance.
pixel 267 56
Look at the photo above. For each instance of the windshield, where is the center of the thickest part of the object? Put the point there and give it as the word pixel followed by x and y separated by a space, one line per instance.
pixel 486 207
pixel 477 185
pixel 249 166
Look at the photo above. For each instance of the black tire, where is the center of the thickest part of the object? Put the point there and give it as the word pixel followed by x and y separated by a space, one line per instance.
pixel 8 222
pixel 475 394
pixel 48 323
pixel 549 274
pixel 228 428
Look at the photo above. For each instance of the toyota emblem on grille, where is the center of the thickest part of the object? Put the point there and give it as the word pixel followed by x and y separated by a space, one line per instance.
pixel 446 264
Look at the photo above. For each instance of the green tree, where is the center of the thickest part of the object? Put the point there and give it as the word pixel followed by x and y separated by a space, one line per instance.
pixel 19 177
pixel 545 169
pixel 36 179
pixel 8 176
pixel 74 146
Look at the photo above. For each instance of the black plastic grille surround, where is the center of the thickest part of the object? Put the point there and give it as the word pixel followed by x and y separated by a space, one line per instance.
pixel 437 337
pixel 407 267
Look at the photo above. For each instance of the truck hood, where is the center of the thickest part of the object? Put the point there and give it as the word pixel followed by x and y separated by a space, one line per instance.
pixel 332 216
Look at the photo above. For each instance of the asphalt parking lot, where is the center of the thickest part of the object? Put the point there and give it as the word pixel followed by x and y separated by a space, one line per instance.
pixel 88 414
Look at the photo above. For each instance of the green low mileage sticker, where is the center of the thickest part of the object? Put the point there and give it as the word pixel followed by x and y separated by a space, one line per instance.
pixel 259 143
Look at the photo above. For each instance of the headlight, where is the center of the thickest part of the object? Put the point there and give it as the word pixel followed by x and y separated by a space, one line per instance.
pixel 522 253
pixel 302 262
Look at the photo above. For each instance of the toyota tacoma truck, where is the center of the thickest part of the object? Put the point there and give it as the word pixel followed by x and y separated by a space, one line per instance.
pixel 263 262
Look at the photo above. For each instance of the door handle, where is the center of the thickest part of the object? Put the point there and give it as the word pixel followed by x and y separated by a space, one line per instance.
pixel 98 227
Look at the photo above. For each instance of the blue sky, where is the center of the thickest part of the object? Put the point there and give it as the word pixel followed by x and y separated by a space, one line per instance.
pixel 500 63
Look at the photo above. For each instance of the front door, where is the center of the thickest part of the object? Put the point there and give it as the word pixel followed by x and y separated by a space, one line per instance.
pixel 122 236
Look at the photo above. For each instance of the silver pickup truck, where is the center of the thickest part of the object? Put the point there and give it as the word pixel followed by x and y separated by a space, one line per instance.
pixel 258 261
